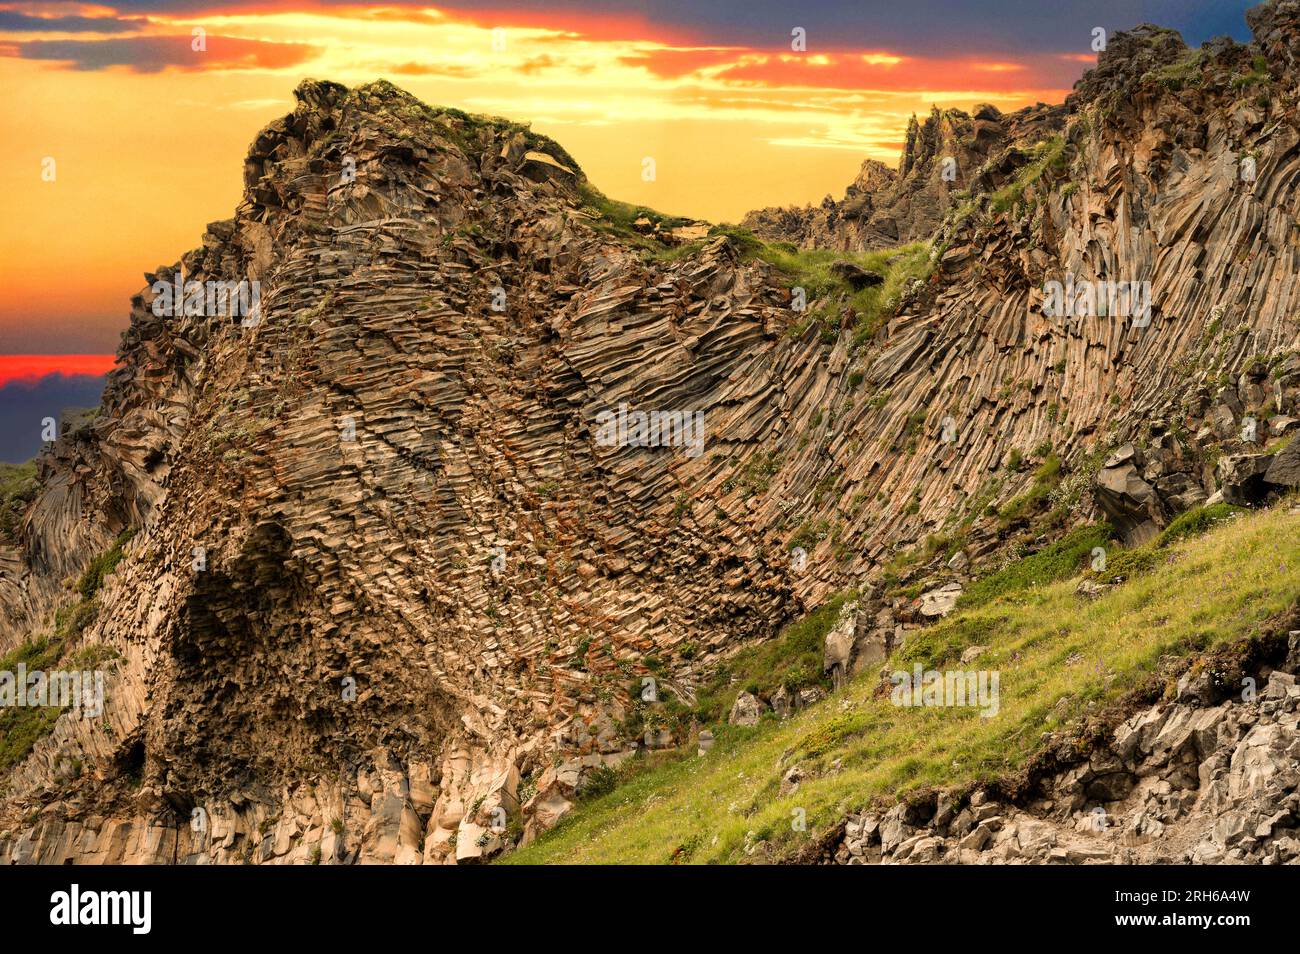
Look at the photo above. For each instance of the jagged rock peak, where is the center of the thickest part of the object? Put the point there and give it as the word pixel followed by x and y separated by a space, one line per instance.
pixel 1276 29
pixel 332 122
pixel 1129 55
pixel 942 155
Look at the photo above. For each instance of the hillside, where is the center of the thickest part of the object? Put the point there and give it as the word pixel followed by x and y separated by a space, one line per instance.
pixel 378 571
pixel 1072 668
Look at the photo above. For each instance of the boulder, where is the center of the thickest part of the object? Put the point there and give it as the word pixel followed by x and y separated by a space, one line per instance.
pixel 1223 422
pixel 782 704
pixel 1180 492
pixel 1279 424
pixel 1090 589
pixel 941 601
pixel 790 781
pixel 857 277
pixel 808 696
pixel 658 739
pixel 837 654
pixel 1241 478
pixel 539 167
pixel 1131 504
pixel 1257 760
pixel 851 646
pixel 1284 469
pixel 746 710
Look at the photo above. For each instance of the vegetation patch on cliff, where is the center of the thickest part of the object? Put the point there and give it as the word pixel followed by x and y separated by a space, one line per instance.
pixel 21 727
pixel 824 275
pixel 18 488
pixel 1047 155
pixel 1059 657
pixel 792 660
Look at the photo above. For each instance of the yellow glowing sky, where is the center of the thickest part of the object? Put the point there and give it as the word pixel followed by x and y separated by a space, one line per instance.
pixel 147 154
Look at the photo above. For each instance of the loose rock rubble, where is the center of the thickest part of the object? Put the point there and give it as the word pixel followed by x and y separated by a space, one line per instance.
pixel 1176 783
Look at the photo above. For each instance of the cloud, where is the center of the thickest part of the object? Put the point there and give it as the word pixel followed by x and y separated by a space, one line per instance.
pixel 669 63
pixel 30 368
pixel 942 28
pixel 883 71
pixel 13 22
pixel 24 404
pixel 152 54
pixel 448 70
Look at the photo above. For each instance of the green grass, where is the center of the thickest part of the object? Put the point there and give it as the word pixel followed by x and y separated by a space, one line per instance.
pixel 1046 479
pixel 754 476
pixel 1259 73
pixel 1280 444
pixel 104 564
pixel 1046 155
pixel 1065 558
pixel 18 489
pixel 1124 564
pixel 1184 71
pixel 1055 652
pixel 811 269
pixel 22 726
pixel 1194 522
pixel 793 660
pixel 617 218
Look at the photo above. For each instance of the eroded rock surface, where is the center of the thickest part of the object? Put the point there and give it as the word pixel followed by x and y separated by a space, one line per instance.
pixel 945 157
pixel 390 596
pixel 1175 783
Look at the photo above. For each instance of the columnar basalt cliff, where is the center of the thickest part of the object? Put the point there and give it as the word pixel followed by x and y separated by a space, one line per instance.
pixel 381 591
pixel 944 158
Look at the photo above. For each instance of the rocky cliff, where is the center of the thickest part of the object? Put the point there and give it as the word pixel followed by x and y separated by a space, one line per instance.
pixel 380 570
pixel 945 159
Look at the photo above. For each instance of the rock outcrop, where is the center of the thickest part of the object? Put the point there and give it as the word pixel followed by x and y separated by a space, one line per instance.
pixel 404 558
pixel 1181 781
pixel 945 158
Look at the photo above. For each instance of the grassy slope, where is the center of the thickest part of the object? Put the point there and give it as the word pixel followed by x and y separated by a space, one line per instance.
pixel 810 269
pixel 1056 654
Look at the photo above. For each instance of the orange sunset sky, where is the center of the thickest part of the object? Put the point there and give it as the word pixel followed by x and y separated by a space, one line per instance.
pixel 148 135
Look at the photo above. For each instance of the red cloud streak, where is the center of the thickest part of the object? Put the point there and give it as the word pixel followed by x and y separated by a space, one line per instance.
pixel 30 368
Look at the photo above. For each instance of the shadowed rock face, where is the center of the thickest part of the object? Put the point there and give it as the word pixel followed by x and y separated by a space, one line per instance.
pixel 391 585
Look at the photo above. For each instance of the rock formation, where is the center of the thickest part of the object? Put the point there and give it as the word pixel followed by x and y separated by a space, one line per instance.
pixel 945 158
pixel 1195 780
pixel 388 585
